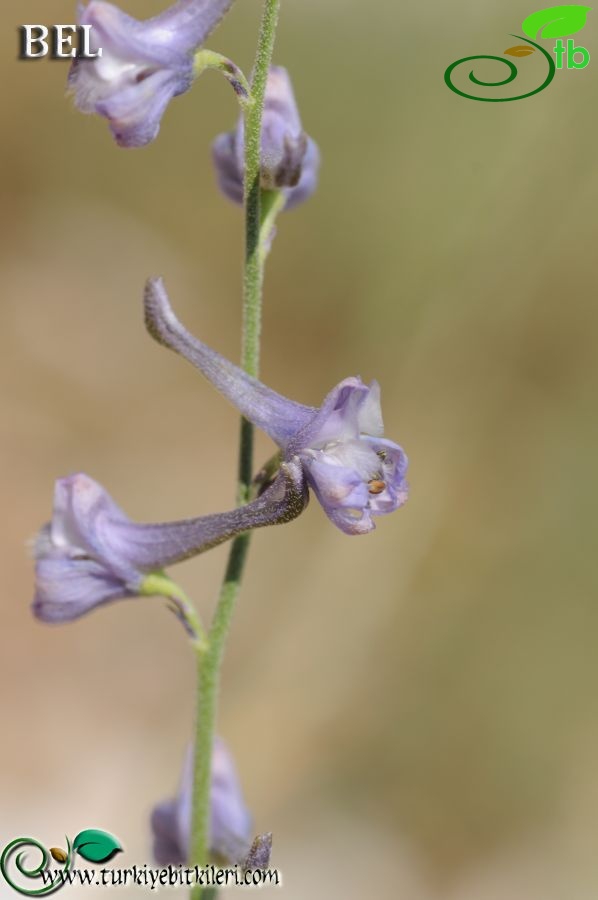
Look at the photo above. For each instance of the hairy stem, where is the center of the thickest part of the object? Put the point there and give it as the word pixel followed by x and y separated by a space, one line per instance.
pixel 209 662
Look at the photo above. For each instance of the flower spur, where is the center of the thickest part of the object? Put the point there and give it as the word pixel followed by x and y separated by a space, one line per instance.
pixel 355 472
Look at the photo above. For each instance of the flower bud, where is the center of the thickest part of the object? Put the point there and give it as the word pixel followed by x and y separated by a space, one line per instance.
pixel 230 820
pixel 289 158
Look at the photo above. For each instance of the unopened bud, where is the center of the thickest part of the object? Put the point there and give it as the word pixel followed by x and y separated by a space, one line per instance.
pixel 289 158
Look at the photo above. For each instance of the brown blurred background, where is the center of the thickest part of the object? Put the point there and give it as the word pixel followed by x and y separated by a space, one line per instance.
pixel 414 713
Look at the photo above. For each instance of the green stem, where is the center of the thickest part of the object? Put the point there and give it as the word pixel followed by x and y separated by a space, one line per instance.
pixel 209 662
pixel 253 131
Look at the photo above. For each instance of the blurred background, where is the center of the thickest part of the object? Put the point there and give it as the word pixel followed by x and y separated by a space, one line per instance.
pixel 414 713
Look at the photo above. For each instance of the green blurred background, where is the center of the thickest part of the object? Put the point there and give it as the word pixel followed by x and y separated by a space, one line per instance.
pixel 414 713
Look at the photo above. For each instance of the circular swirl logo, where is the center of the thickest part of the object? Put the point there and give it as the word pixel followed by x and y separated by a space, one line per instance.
pixel 91 844
pixel 554 22
pixel 16 852
pixel 510 77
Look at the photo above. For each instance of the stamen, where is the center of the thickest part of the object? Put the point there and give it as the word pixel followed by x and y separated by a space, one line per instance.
pixel 376 487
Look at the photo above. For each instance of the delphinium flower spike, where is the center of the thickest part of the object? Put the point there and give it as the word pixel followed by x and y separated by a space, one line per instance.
pixel 289 158
pixel 91 553
pixel 354 471
pixel 144 64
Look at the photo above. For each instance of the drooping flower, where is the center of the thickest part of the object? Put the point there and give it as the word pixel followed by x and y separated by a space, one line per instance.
pixel 91 553
pixel 354 471
pixel 230 820
pixel 289 158
pixel 144 64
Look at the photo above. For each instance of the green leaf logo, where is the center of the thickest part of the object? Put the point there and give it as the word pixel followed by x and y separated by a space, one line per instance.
pixel 96 846
pixel 556 21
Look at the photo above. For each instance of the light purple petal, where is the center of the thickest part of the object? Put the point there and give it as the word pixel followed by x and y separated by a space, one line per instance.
pixel 308 180
pixel 357 479
pixel 78 503
pixel 189 22
pixel 369 414
pixel 351 521
pixel 355 473
pixel 82 525
pixel 75 571
pixel 280 101
pixel 230 820
pixel 68 588
pixel 336 486
pixel 165 40
pixel 135 113
pixel 343 495
pixel 278 417
pixel 166 847
pixel 228 171
pixel 336 419
pixel 284 143
pixel 393 472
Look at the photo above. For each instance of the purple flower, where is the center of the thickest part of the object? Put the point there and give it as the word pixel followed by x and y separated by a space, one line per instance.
pixel 289 161
pixel 355 473
pixel 143 64
pixel 230 821
pixel 91 553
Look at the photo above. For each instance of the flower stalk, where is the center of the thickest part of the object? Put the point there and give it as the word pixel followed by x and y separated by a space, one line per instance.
pixel 209 663
pixel 161 585
pixel 208 59
pixel 272 203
